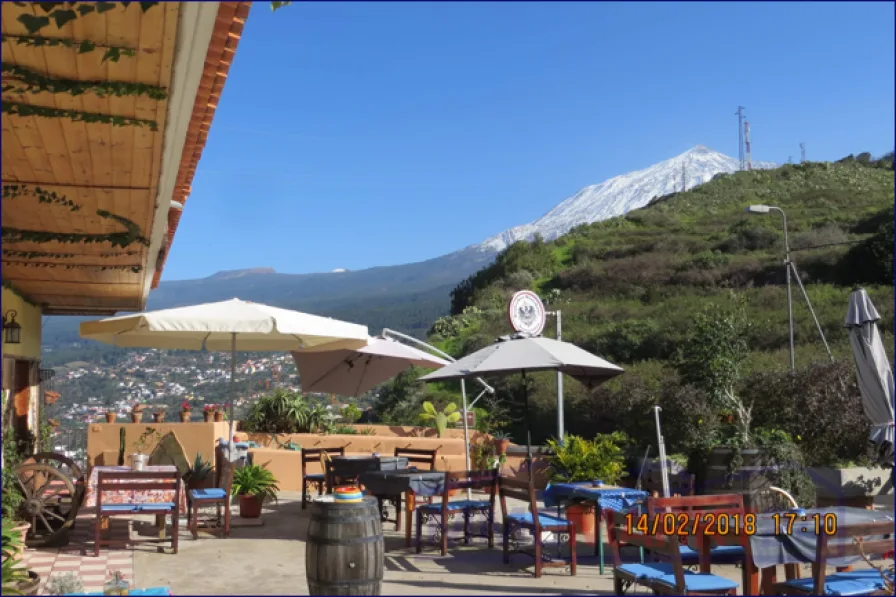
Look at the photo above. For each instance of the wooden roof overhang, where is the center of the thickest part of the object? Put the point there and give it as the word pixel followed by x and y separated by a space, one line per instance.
pixel 90 171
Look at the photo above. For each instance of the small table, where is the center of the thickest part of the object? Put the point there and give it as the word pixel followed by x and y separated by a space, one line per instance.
pixel 385 484
pixel 604 497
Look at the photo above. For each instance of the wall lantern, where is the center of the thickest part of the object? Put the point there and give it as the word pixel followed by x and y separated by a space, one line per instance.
pixel 12 331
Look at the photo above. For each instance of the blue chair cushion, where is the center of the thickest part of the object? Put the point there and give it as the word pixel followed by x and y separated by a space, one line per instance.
pixel 720 552
pixel 840 584
pixel 867 574
pixel 648 570
pixel 162 506
pixel 456 505
pixel 543 519
pixel 316 476
pixel 208 494
pixel 697 582
pixel 120 508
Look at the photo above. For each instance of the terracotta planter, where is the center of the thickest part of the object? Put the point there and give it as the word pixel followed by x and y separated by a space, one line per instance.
pixel 207 415
pixel 185 416
pixel 29 587
pixel 22 529
pixel 250 506
pixel 136 417
pixel 158 417
pixel 219 416
pixel 582 515
pixel 110 417
pixel 501 446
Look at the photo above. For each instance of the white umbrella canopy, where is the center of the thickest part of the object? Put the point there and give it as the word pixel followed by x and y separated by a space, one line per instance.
pixel 233 325
pixel 875 376
pixel 257 327
pixel 353 372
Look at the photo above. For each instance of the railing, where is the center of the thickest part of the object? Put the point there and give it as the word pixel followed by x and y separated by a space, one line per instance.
pixel 71 443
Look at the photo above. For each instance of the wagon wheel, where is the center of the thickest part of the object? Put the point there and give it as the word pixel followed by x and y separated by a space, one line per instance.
pixel 50 503
pixel 63 463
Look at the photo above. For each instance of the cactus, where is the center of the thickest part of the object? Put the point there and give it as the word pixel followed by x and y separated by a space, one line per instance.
pixel 440 419
pixel 121 443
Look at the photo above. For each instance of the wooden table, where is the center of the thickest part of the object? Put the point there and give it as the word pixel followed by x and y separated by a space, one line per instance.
pixel 385 484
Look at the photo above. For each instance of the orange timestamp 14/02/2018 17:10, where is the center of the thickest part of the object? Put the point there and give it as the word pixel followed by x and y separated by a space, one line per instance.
pixel 688 523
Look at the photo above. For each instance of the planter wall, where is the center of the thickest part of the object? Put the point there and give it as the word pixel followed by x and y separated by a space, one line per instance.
pixel 857 482
pixel 751 479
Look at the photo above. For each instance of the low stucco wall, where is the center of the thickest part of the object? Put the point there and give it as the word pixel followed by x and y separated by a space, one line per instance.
pixel 103 439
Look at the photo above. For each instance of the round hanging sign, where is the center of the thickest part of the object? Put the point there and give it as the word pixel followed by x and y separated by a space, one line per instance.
pixel 526 313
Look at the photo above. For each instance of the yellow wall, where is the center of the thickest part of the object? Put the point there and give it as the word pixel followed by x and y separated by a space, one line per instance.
pixel 29 318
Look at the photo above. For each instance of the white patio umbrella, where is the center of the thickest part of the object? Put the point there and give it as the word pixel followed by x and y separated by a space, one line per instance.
pixel 521 353
pixel 874 372
pixel 233 325
pixel 352 372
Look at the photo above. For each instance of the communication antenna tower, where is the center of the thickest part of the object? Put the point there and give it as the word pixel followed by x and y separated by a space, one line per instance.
pixel 740 137
pixel 802 152
pixel 747 144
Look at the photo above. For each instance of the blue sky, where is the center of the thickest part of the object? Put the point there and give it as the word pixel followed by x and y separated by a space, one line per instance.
pixel 351 135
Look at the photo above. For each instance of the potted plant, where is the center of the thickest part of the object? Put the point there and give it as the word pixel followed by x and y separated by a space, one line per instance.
pixel 53 423
pixel 136 412
pixel 185 409
pixel 199 476
pixel 440 419
pixel 253 484
pixel 577 459
pixel 66 583
pixel 208 411
pixel 110 415
pixel 484 456
pixel 140 458
pixel 16 580
pixel 116 585
pixel 502 440
pixel 158 416
pixel 50 397
pixel 220 413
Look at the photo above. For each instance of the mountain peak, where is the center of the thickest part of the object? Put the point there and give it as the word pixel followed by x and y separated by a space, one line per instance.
pixel 239 273
pixel 619 195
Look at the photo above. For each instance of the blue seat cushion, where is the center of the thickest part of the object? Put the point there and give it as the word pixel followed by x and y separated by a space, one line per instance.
pixel 316 476
pixel 120 508
pixel 840 584
pixel 697 582
pixel 867 574
pixel 157 507
pixel 648 570
pixel 720 552
pixel 208 494
pixel 456 505
pixel 543 519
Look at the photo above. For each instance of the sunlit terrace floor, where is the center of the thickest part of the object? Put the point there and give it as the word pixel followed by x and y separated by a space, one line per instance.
pixel 270 559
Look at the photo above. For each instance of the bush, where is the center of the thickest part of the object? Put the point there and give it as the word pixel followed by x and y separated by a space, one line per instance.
pixel 282 411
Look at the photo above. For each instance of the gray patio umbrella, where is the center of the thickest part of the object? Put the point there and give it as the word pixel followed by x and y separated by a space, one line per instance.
pixel 874 372
pixel 521 353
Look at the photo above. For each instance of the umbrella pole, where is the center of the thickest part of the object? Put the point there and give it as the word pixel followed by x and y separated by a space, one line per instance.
pixel 232 392
pixel 528 425
pixel 463 395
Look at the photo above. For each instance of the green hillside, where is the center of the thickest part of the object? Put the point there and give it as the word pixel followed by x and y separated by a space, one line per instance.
pixel 629 289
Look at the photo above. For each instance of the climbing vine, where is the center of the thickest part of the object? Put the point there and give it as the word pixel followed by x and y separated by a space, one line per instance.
pixel 69 266
pixel 112 53
pixel 25 298
pixel 131 233
pixel 62 13
pixel 17 109
pixel 36 255
pixel 19 79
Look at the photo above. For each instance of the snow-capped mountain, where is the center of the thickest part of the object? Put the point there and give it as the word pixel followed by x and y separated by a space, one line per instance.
pixel 621 194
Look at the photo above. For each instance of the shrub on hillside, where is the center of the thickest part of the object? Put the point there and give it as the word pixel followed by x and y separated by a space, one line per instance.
pixel 750 235
pixel 819 406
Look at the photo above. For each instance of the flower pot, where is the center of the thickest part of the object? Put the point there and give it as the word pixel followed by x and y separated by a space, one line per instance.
pixel 250 506
pixel 110 417
pixel 30 586
pixel 453 492
pixel 219 416
pixel 22 530
pixel 158 417
pixel 207 416
pixel 136 417
pixel 501 446
pixel 139 461
pixel 185 416
pixel 582 515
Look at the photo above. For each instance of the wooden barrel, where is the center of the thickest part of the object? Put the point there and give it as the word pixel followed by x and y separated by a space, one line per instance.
pixel 344 554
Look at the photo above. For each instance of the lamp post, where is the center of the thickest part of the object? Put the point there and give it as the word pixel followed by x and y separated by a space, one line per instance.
pixel 764 209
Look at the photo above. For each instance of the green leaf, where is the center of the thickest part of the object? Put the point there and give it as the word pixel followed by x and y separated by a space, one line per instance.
pixel 278 5
pixel 86 46
pixel 144 6
pixel 48 6
pixel 32 23
pixel 85 9
pixel 102 7
pixel 63 16
pixel 450 409
pixel 428 408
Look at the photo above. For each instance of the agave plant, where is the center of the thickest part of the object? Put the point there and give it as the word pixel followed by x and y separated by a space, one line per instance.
pixel 200 470
pixel 13 574
pixel 255 480
pixel 440 419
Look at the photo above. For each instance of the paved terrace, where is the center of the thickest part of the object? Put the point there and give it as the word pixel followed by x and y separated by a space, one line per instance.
pixel 270 559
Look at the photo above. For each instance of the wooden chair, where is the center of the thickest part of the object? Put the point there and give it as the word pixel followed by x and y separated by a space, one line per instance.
pixel 875 538
pixel 316 455
pixel 486 480
pixel 535 522
pixel 421 460
pixel 664 578
pixel 137 481
pixel 722 503
pixel 219 496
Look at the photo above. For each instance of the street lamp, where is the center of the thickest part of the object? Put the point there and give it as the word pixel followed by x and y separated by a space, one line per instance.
pixel 764 209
